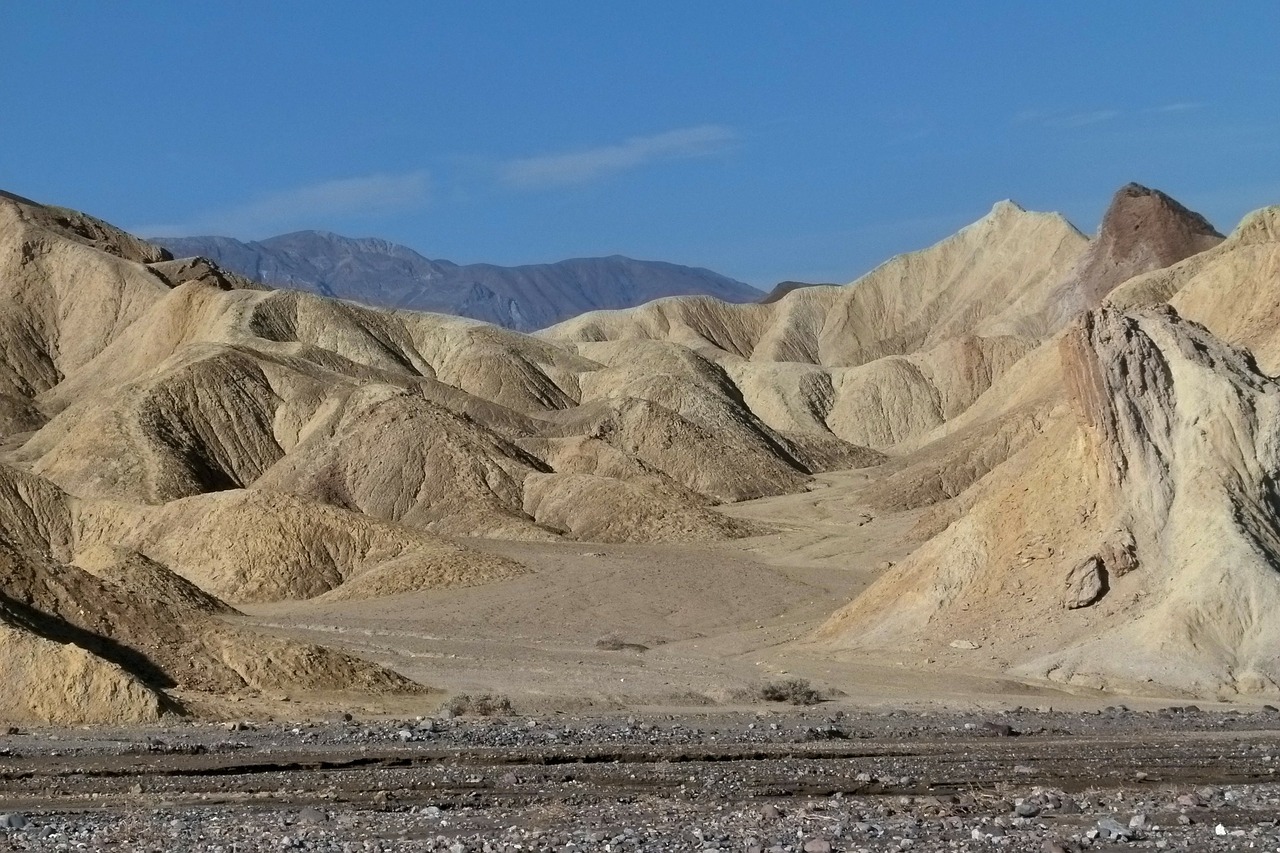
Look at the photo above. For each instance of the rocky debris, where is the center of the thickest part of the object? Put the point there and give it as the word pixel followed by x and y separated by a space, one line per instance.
pixel 534 792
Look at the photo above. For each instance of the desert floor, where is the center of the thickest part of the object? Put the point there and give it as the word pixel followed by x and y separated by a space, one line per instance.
pixel 667 627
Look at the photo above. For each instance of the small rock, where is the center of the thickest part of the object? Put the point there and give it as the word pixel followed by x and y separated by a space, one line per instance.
pixel 1114 829
pixel 1138 821
pixel 968 645
pixel 817 845
pixel 12 821
pixel 1026 808
pixel 1086 583
pixel 310 815
pixel 1119 555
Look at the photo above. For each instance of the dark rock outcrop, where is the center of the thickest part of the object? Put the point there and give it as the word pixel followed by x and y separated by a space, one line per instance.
pixel 1142 230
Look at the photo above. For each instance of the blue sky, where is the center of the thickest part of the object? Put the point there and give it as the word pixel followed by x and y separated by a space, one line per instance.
pixel 765 140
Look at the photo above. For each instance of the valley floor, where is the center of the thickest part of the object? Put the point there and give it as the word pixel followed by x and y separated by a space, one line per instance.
pixel 661 627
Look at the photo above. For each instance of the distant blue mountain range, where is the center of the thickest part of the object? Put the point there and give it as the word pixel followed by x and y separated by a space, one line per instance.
pixel 380 273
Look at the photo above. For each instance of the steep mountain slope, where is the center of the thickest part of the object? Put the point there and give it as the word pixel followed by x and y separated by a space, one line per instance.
pixel 1132 544
pixel 376 272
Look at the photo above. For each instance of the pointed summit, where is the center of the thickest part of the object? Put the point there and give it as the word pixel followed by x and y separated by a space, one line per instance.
pixel 1139 215
pixel 1142 230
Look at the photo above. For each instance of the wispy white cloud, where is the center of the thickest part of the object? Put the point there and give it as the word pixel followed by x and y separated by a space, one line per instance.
pixel 1178 107
pixel 1061 119
pixel 310 206
pixel 589 164
pixel 1081 119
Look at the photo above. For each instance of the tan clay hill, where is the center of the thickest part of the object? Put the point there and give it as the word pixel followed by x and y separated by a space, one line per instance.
pixel 175 440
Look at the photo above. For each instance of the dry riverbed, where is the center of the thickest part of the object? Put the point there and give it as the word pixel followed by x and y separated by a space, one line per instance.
pixel 773 780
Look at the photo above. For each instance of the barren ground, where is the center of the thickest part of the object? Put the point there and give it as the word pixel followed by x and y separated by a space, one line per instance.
pixel 634 671
pixel 772 780
pixel 660 627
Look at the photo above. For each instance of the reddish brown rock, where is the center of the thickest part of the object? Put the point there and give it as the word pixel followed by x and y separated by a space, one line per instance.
pixel 1142 230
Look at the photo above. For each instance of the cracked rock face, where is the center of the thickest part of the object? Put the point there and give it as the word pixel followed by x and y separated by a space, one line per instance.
pixel 1164 459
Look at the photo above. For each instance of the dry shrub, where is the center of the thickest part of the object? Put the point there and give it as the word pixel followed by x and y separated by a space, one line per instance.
pixel 797 691
pixel 485 705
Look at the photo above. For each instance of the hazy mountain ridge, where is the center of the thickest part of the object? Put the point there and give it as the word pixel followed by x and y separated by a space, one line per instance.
pixel 384 274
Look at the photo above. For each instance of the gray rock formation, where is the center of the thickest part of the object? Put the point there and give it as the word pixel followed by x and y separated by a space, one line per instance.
pixel 1086 583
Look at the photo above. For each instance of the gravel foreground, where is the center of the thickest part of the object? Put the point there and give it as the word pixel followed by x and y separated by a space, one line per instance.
pixel 778 781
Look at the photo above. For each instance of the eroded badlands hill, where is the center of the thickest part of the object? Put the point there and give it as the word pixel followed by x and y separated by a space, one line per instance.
pixel 1131 542
pixel 175 440
pixel 268 445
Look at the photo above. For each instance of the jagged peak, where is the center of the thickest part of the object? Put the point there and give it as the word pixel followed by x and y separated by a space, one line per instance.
pixel 1006 206
pixel 1007 211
